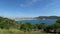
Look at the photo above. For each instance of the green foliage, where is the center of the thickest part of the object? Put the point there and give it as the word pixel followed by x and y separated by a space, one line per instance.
pixel 57 24
pixel 7 23
pixel 40 26
pixel 55 27
pixel 16 31
pixel 58 21
pixel 26 27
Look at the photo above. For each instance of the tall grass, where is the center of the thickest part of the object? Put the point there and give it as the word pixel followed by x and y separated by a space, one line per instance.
pixel 15 31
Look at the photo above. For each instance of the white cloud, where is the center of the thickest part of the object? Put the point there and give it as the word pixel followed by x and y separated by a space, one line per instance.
pixel 29 3
pixel 21 5
pixel 35 0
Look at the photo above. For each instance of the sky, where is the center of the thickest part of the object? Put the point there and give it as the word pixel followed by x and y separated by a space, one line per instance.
pixel 29 8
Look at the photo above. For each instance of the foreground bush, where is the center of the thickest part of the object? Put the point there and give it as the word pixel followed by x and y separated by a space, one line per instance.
pixel 15 31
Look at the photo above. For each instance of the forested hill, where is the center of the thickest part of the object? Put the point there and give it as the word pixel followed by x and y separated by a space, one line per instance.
pixel 7 23
pixel 48 17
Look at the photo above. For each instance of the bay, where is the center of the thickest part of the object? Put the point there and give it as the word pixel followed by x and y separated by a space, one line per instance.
pixel 39 21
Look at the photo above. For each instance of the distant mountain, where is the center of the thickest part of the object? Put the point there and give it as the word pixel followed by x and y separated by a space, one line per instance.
pixel 48 17
pixel 23 18
pixel 37 18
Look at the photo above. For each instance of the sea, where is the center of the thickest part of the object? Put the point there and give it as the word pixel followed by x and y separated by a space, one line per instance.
pixel 48 22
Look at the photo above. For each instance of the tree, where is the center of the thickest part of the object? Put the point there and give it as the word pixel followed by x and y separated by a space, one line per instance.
pixel 40 26
pixel 7 23
pixel 58 21
pixel 26 27
pixel 54 27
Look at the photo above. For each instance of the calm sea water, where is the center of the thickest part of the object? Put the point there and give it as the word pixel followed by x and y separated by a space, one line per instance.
pixel 38 21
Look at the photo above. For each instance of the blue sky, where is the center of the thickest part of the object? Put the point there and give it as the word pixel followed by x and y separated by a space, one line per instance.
pixel 29 8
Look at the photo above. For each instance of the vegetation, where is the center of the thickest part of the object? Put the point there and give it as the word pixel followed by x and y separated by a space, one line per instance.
pixel 7 23
pixel 8 26
pixel 26 27
pixel 15 31
pixel 48 17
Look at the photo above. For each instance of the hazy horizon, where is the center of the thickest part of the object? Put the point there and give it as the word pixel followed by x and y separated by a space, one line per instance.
pixel 29 8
